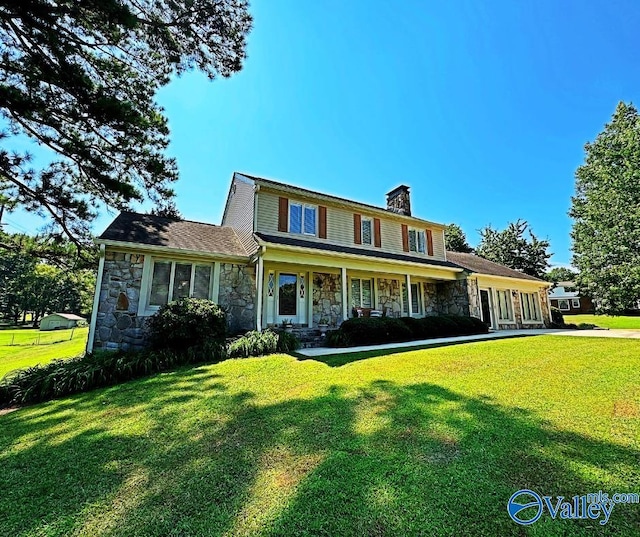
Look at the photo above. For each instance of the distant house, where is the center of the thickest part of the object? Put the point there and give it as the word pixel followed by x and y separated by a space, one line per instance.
pixel 58 321
pixel 567 299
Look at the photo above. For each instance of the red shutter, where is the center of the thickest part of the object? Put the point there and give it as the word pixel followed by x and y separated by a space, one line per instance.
pixel 357 229
pixel 322 227
pixel 377 239
pixel 429 242
pixel 405 238
pixel 283 215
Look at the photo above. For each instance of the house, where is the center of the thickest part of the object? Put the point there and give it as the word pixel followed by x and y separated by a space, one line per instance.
pixel 57 321
pixel 287 253
pixel 567 299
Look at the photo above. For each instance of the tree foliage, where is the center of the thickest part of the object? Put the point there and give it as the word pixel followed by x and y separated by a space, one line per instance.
pixel 511 247
pixel 606 214
pixel 455 239
pixel 561 274
pixel 80 79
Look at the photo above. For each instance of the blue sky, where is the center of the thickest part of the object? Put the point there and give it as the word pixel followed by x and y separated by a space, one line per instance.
pixel 482 108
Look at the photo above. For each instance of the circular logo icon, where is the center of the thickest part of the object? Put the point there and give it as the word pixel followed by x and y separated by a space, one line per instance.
pixel 525 507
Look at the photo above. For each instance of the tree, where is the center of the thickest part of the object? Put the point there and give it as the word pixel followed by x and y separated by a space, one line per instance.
pixel 455 239
pixel 80 77
pixel 606 214
pixel 561 274
pixel 513 249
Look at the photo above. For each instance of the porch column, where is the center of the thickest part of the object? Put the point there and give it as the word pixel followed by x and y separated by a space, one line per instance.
pixel 343 279
pixel 216 282
pixel 259 287
pixel 409 299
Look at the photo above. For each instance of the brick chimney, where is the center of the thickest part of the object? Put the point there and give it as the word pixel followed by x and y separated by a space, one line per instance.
pixel 398 200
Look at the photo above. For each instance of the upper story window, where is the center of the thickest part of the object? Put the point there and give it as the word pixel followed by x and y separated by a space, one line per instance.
pixel 367 230
pixel 302 218
pixel 172 280
pixel 416 241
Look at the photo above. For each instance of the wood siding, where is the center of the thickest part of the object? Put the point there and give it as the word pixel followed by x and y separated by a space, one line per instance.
pixel 340 226
pixel 239 212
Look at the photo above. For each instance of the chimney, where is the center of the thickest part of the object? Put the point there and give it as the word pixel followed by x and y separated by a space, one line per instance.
pixel 398 200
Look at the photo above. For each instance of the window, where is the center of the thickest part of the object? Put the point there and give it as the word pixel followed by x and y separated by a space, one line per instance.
pixel 302 218
pixel 505 312
pixel 416 299
pixel 361 293
pixel 416 241
pixel 575 302
pixel 171 280
pixel 563 305
pixel 530 307
pixel 367 232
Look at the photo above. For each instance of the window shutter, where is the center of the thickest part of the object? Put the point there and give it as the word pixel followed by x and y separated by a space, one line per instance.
pixel 405 238
pixel 377 239
pixel 322 224
pixel 357 228
pixel 429 234
pixel 283 215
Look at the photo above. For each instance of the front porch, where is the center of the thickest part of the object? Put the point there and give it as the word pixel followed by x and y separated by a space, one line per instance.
pixel 309 295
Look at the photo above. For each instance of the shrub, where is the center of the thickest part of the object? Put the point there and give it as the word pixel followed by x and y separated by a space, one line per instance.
pixel 187 323
pixel 586 326
pixel 253 343
pixel 371 331
pixel 287 342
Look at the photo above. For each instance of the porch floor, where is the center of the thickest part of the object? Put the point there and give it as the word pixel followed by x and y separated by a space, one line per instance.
pixel 425 343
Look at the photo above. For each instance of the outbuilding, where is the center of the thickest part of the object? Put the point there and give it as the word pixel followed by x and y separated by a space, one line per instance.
pixel 58 321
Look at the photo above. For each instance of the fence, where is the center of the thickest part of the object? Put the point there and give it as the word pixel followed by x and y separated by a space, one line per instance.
pixel 25 338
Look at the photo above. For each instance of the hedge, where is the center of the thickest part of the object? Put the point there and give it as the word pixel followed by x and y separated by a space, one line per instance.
pixel 376 330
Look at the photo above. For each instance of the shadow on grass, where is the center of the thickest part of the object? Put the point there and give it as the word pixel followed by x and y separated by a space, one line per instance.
pixel 383 460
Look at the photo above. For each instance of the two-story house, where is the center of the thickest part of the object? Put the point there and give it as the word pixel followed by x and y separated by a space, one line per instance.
pixel 285 253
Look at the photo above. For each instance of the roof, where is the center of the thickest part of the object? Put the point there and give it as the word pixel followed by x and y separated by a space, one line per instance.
pixel 188 235
pixel 69 316
pixel 330 247
pixel 313 193
pixel 474 263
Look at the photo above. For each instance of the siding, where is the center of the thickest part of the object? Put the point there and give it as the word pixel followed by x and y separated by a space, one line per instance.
pixel 239 211
pixel 340 226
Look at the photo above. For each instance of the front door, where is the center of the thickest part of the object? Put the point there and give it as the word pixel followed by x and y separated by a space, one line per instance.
pixel 287 297
pixel 485 305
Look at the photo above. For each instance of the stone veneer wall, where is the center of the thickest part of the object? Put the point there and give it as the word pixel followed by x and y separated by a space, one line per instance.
pixel 327 298
pixel 389 296
pixel 237 296
pixel 453 298
pixel 543 293
pixel 117 323
pixel 473 293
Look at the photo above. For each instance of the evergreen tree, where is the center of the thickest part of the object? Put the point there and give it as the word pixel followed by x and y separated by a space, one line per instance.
pixel 455 239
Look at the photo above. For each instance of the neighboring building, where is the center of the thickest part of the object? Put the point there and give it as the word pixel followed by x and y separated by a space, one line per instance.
pixel 56 321
pixel 287 253
pixel 567 299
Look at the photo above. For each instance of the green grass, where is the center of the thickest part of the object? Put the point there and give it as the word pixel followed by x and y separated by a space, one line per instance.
pixel 606 321
pixel 23 354
pixel 428 442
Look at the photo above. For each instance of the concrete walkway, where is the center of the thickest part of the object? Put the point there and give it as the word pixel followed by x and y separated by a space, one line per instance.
pixel 501 334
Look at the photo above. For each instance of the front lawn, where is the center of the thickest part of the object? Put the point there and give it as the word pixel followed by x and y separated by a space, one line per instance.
pixel 428 442
pixel 22 348
pixel 606 321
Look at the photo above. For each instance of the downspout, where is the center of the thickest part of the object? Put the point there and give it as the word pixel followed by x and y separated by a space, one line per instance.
pixel 96 301
pixel 259 287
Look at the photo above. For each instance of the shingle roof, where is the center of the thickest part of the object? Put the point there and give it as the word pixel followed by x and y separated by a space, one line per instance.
pixel 178 234
pixel 328 247
pixel 474 263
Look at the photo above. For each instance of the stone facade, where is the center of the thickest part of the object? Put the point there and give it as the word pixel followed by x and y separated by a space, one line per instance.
pixel 544 306
pixel 390 296
pixel 473 293
pixel 453 298
pixel 117 323
pixel 327 298
pixel 237 296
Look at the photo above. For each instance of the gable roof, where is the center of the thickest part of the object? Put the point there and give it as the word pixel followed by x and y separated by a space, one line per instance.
pixel 474 263
pixel 69 316
pixel 186 235
pixel 330 247
pixel 269 183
